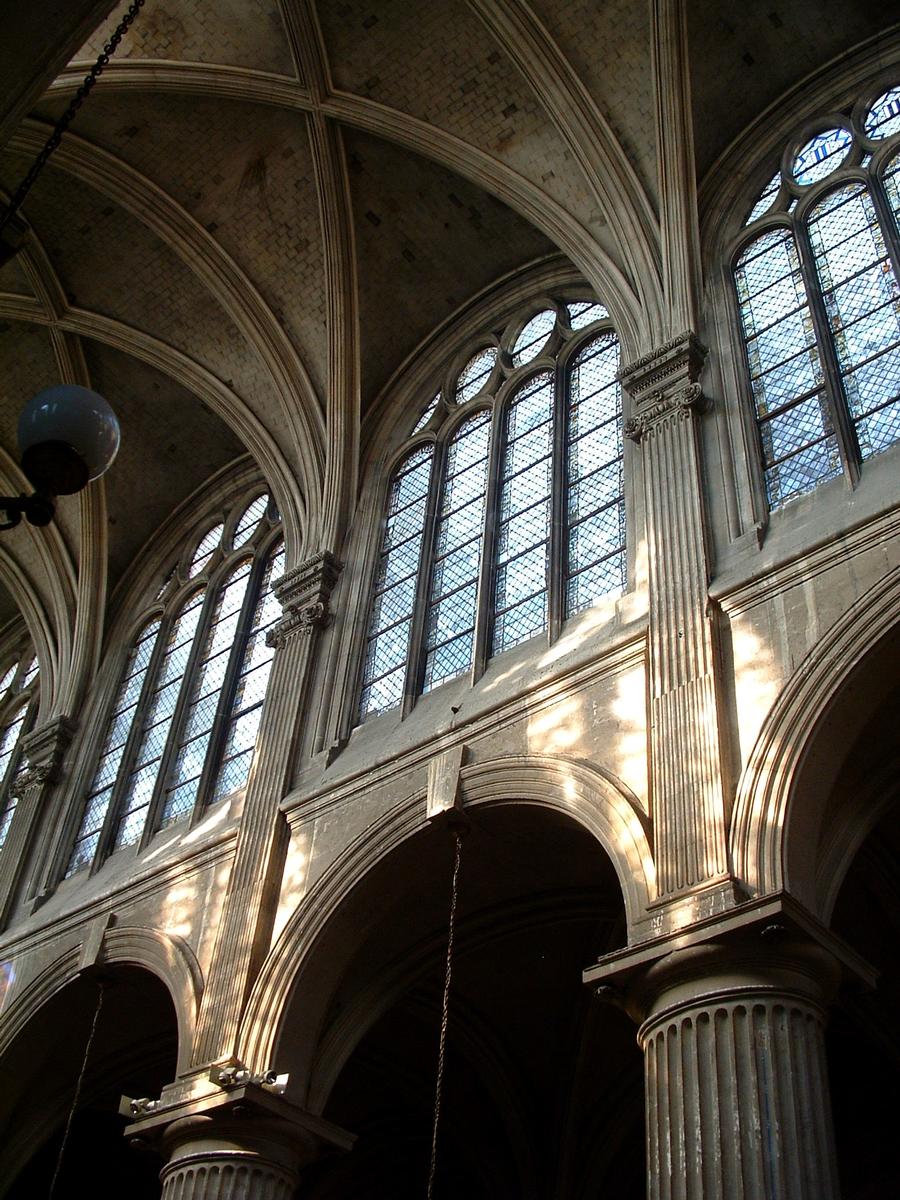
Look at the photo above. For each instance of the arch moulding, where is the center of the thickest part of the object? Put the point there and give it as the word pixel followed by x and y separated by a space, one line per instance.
pixel 594 799
pixel 771 805
pixel 167 956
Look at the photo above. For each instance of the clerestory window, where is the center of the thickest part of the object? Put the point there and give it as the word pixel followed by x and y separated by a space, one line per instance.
pixel 182 728
pixel 18 705
pixel 505 514
pixel 817 289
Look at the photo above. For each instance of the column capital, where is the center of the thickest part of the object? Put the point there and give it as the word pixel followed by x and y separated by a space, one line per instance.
pixel 664 383
pixel 772 944
pixel 305 596
pixel 44 749
pixel 248 1133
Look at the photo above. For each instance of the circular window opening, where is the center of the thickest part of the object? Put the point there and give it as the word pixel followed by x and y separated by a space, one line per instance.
pixel 821 155
pixel 475 374
pixel 533 337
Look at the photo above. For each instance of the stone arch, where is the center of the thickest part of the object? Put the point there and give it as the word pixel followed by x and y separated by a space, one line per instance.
pixel 164 955
pixel 779 813
pixel 592 799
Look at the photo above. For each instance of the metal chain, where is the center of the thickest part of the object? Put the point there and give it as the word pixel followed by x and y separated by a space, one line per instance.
pixel 109 49
pixel 445 1015
pixel 77 1093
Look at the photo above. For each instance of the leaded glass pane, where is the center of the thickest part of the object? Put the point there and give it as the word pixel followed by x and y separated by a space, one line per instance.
pixel 584 313
pixel 118 727
pixel 821 155
pixel 139 787
pixel 427 414
pixel 7 678
pixel 520 583
pixel 533 337
pixel 30 673
pixel 453 591
pixel 396 574
pixel 883 119
pixel 766 198
pixel 8 744
pixel 475 374
pixel 249 519
pixel 862 300
pixel 205 549
pixel 206 687
pixel 253 679
pixel 786 375
pixel 596 509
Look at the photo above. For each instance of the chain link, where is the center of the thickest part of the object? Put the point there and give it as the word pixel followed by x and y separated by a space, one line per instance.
pixel 445 1016
pixel 109 49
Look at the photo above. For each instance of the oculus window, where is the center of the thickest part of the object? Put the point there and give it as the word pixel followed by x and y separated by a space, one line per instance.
pixel 505 514
pixel 817 288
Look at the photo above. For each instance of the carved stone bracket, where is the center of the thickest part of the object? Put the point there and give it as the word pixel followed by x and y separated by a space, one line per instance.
pixel 663 384
pixel 44 749
pixel 305 595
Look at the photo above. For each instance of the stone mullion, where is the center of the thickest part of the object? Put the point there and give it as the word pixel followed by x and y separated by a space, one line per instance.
pixel 34 788
pixel 247 915
pixel 685 759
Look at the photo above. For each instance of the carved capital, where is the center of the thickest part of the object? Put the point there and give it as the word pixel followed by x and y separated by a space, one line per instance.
pixel 667 368
pixel 44 749
pixel 305 595
pixel 663 385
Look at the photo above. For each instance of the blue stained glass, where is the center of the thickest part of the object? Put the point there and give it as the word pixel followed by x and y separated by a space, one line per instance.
pixel 821 155
pixel 883 119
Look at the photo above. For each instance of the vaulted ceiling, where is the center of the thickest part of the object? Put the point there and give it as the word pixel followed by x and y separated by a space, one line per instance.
pixel 266 206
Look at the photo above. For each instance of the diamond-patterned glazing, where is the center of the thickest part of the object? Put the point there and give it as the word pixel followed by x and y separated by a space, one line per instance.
pixel 233 774
pixel 427 414
pixel 883 118
pixel 520 623
pixel 249 519
pixel 606 578
pixel 205 550
pixel 821 155
pixel 475 374
pixel 804 471
pixel 533 337
pixel 586 312
pixel 766 198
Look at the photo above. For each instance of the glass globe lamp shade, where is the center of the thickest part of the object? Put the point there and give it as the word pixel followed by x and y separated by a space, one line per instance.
pixel 68 435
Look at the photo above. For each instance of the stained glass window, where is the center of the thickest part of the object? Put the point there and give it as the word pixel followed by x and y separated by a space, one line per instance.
pixel 192 672
pixel 820 311
pixel 18 689
pixel 456 563
pixel 476 519
pixel 394 599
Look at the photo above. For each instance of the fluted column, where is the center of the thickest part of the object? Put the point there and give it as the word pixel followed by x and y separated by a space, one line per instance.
pixel 736 1088
pixel 687 790
pixel 33 789
pixel 246 923
pixel 212 1159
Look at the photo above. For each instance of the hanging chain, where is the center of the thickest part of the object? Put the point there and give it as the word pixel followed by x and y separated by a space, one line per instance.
pixel 76 1096
pixel 445 1015
pixel 109 49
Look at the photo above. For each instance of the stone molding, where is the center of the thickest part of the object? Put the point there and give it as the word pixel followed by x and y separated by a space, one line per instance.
pixel 305 595
pixel 45 747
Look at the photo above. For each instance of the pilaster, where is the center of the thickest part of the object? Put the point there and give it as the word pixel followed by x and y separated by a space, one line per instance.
pixel 246 924
pixel 687 787
pixel 33 788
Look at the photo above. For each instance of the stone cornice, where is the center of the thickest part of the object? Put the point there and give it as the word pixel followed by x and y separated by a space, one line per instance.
pixel 305 595
pixel 663 384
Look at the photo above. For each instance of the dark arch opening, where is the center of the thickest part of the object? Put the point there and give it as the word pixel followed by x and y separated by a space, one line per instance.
pixel 133 1053
pixel 544 1085
pixel 862 1039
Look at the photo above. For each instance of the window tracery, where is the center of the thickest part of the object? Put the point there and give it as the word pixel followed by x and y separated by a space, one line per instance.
pixel 505 515
pixel 182 726
pixel 819 301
